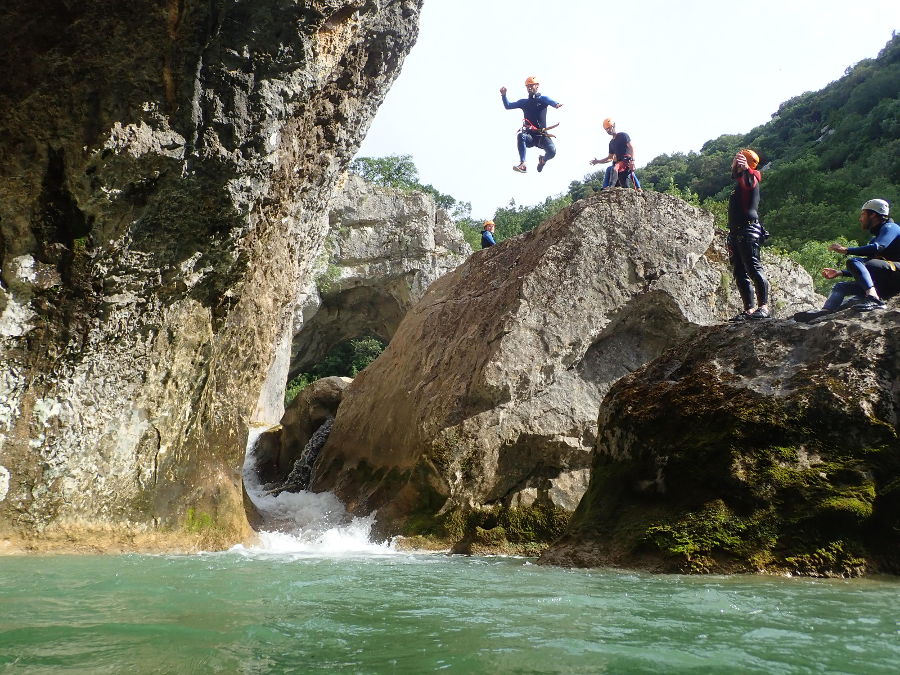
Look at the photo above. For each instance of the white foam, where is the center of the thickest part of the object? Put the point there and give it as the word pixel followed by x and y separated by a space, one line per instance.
pixel 307 523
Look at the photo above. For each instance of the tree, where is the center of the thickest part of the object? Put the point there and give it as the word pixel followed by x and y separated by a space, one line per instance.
pixel 396 171
pixel 346 359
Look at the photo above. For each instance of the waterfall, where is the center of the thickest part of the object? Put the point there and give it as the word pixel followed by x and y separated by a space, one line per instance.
pixel 300 522
pixel 301 474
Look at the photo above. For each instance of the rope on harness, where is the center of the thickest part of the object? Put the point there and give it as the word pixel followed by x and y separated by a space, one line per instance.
pixel 531 128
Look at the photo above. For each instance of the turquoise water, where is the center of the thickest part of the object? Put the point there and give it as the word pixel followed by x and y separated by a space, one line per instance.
pixel 248 611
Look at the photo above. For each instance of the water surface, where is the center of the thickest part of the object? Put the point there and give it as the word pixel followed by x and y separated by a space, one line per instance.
pixel 273 610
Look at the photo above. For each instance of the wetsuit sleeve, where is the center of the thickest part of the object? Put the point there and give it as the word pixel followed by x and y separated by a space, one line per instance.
pixel 547 101
pixel 515 104
pixel 885 238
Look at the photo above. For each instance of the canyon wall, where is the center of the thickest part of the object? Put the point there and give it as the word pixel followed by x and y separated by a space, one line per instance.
pixel 164 170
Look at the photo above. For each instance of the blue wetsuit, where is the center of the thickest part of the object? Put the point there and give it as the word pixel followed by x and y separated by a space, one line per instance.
pixel 534 109
pixel 881 272
pixel 487 239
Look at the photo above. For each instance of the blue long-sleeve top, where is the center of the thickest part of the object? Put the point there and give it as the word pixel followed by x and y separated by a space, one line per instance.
pixel 534 108
pixel 885 244
pixel 487 239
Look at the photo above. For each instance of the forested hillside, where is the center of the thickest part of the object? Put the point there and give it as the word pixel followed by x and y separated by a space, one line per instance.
pixel 823 154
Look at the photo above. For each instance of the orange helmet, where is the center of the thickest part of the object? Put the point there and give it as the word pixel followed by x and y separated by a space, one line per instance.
pixel 532 80
pixel 752 158
pixel 609 123
pixel 488 222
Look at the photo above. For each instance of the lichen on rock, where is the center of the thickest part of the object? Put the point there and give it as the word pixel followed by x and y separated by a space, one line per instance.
pixel 769 447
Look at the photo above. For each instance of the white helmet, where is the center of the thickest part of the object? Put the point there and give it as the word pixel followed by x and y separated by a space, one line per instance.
pixel 879 206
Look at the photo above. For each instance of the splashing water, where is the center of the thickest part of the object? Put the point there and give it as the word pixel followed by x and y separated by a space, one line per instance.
pixel 305 523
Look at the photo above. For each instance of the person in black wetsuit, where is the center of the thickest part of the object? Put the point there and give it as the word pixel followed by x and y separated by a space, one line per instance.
pixel 876 274
pixel 745 236
pixel 621 154
pixel 534 125
pixel 487 235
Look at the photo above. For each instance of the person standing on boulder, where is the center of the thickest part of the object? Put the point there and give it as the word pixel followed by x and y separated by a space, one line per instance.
pixel 876 274
pixel 534 125
pixel 621 154
pixel 487 235
pixel 745 236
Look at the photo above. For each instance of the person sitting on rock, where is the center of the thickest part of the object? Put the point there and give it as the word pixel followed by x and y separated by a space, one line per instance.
pixel 876 273
pixel 534 126
pixel 487 234
pixel 621 154
pixel 745 236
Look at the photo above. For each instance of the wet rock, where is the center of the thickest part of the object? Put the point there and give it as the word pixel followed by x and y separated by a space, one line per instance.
pixel 277 450
pixel 769 446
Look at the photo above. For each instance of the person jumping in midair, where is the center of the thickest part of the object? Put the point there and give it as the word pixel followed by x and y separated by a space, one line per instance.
pixel 534 127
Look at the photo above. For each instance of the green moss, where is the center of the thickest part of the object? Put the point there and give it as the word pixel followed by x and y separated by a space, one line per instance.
pixel 496 536
pixel 537 525
pixel 850 508
pixel 834 559
pixel 197 521
pixel 534 523
pixel 714 527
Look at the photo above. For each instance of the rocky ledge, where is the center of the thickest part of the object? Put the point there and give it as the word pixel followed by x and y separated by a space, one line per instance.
pixel 763 447
pixel 478 422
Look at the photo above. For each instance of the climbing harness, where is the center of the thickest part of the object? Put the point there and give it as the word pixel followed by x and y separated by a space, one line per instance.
pixel 530 128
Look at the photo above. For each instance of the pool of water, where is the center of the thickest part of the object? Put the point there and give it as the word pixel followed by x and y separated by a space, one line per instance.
pixel 272 609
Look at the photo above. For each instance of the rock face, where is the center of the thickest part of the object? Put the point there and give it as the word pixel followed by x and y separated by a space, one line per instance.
pixel 488 393
pixel 385 247
pixel 768 446
pixel 165 168
pixel 277 449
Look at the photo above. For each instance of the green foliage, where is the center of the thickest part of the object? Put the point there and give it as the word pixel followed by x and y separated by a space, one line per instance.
pixel 399 171
pixel 326 280
pixel 823 154
pixel 814 256
pixel 719 209
pixel 347 359
pixel 296 385
pixel 396 171
pixel 513 220
pixel 471 231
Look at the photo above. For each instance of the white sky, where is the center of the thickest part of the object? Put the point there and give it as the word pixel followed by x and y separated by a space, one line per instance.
pixel 673 74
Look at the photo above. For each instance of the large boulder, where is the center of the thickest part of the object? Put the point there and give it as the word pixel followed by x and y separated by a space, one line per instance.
pixel 275 451
pixel 769 446
pixel 385 246
pixel 165 171
pixel 488 393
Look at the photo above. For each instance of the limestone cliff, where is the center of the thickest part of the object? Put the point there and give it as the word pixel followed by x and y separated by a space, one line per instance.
pixel 769 446
pixel 488 393
pixel 164 169
pixel 384 248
